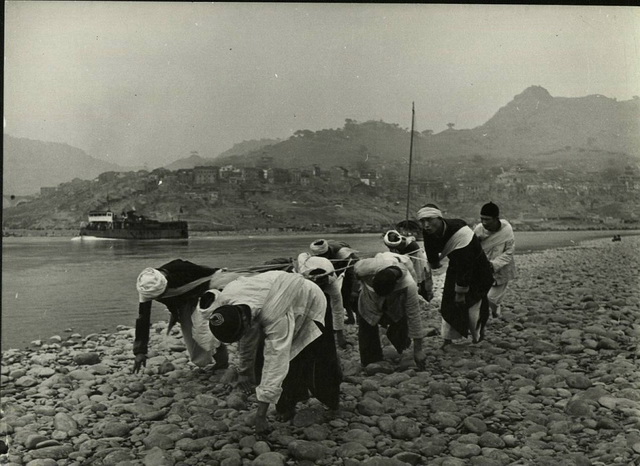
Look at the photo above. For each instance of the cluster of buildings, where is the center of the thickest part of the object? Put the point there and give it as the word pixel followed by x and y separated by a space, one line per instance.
pixel 209 175
pixel 526 183
pixel 537 187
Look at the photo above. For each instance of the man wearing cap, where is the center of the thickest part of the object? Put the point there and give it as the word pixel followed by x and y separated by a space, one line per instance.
pixel 498 242
pixel 464 307
pixel 278 320
pixel 343 259
pixel 322 273
pixel 178 285
pixel 408 246
pixel 388 298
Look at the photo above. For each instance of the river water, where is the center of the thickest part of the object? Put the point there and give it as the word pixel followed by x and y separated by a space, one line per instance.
pixel 52 286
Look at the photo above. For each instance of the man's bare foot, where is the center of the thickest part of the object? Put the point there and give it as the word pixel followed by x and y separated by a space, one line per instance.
pixel 285 416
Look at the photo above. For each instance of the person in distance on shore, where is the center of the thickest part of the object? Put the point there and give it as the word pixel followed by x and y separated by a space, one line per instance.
pixel 321 272
pixel 178 285
pixel 278 320
pixel 408 246
pixel 498 242
pixel 388 298
pixel 464 308
pixel 343 259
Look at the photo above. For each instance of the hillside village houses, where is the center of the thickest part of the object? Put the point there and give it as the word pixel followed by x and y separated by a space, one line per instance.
pixel 540 188
pixel 210 176
pixel 463 186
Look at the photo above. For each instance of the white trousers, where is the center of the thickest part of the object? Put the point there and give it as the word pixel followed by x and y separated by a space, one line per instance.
pixel 495 295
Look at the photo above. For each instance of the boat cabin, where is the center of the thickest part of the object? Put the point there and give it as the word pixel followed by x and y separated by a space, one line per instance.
pixel 101 216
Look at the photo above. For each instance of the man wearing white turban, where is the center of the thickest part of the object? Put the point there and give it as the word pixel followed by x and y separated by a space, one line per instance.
pixel 464 307
pixel 408 246
pixel 178 285
pixel 321 271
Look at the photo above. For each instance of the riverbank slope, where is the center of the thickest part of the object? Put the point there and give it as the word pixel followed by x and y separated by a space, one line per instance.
pixel 556 382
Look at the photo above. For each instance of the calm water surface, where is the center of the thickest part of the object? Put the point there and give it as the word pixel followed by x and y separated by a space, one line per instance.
pixel 52 285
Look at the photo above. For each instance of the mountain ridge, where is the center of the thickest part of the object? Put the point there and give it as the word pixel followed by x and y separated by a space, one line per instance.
pixel 532 124
pixel 29 164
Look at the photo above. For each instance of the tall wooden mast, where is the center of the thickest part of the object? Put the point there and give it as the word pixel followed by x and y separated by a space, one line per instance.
pixel 413 117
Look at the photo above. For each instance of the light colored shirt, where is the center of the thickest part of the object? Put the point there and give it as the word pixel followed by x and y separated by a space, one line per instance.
pixel 285 308
pixel 403 300
pixel 418 257
pixel 499 246
pixel 401 258
pixel 421 265
pixel 306 263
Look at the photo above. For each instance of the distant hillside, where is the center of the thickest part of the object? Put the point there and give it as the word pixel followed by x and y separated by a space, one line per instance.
pixel 195 160
pixel 549 162
pixel 535 198
pixel 371 142
pixel 248 146
pixel 533 124
pixel 29 165
pixel 534 127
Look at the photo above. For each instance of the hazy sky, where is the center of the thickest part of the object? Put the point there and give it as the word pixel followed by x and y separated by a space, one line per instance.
pixel 136 83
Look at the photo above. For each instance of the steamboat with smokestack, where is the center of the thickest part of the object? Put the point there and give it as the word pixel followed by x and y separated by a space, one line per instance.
pixel 105 224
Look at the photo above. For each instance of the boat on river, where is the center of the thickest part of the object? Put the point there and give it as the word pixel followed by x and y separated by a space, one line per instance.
pixel 130 226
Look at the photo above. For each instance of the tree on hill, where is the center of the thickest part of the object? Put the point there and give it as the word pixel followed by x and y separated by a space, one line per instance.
pixel 303 133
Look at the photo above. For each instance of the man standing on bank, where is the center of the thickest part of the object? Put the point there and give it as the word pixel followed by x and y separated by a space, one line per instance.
pixel 278 320
pixel 498 242
pixel 464 308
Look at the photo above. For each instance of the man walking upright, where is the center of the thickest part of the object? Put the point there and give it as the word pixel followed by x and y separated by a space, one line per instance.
pixel 468 278
pixel 498 242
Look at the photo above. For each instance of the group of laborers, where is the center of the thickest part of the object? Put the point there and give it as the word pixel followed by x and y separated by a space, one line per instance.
pixel 287 325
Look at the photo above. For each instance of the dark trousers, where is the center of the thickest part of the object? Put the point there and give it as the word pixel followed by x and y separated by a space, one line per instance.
pixel 347 291
pixel 369 338
pixel 316 370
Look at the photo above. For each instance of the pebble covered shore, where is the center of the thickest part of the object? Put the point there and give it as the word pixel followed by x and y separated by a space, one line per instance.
pixel 557 382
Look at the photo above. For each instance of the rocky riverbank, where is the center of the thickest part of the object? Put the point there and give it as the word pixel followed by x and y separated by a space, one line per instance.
pixel 556 382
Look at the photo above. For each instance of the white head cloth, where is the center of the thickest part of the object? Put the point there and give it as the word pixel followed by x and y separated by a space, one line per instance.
pixel 390 242
pixel 151 284
pixel 319 247
pixel 429 212
pixel 306 263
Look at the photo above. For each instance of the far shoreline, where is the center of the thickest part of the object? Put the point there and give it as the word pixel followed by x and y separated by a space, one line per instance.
pixel 57 233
